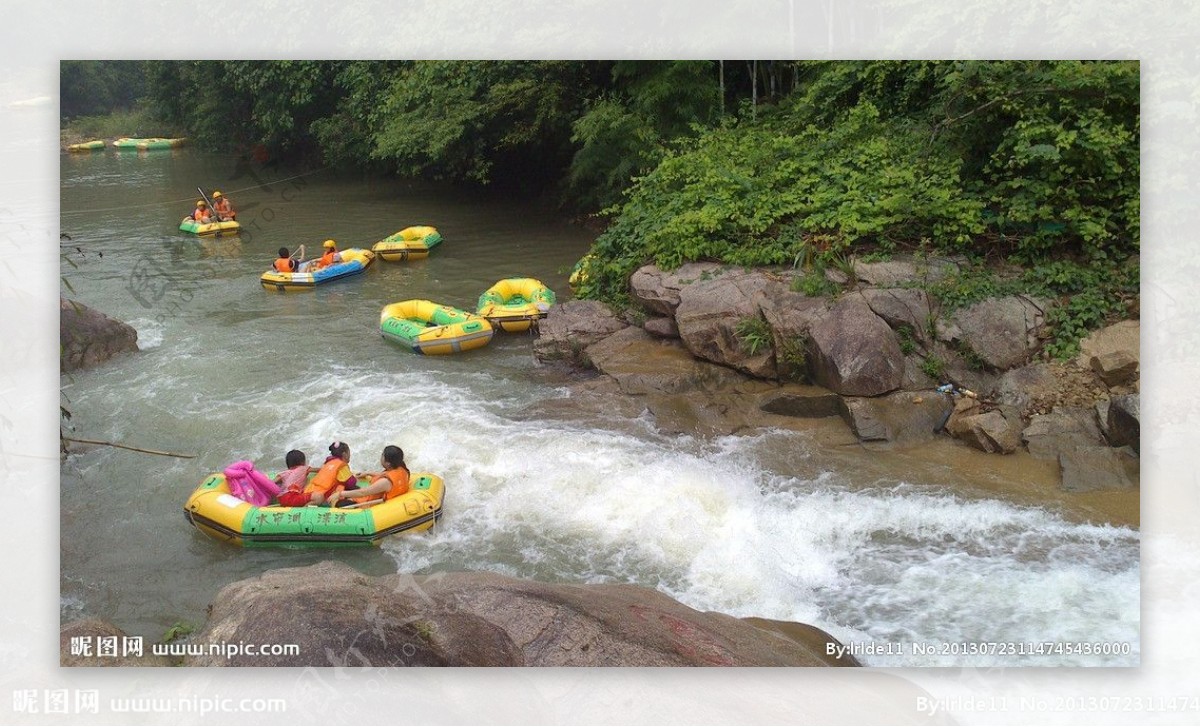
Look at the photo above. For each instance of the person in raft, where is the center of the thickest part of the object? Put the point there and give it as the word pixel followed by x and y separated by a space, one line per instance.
pixel 285 263
pixel 222 207
pixel 330 257
pixel 294 479
pixel 201 214
pixel 393 481
pixel 333 478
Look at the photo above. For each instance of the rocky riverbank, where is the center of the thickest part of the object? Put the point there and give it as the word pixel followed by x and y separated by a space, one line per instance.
pixel 715 349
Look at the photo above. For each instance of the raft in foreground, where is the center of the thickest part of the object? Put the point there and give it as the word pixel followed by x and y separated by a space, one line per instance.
pixel 354 261
pixel 220 515
pixel 411 243
pixel 432 329
pixel 209 228
pixel 155 142
pixel 514 304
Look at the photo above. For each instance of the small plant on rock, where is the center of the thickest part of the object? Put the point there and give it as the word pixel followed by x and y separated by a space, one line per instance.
pixel 754 333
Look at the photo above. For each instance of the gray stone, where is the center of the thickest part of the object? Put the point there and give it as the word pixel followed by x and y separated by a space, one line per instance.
pixel 805 402
pixel 1122 336
pixel 1124 422
pixel 1003 332
pixel 1022 386
pixel 854 353
pixel 1102 416
pixel 571 327
pixel 902 308
pixel 904 417
pixel 1064 429
pixel 88 337
pixel 989 431
pixel 1098 468
pixel 1115 368
pixel 903 268
pixel 642 364
pixel 662 327
pixel 658 290
pixel 709 314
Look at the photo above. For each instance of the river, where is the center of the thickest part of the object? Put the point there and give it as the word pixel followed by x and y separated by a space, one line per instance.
pixel 744 525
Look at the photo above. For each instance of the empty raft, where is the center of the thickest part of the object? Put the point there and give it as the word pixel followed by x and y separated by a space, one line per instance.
pixel 514 304
pixel 411 243
pixel 432 329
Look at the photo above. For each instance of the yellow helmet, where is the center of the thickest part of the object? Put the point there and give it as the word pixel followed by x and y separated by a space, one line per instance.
pixel 201 203
pixel 216 195
pixel 329 243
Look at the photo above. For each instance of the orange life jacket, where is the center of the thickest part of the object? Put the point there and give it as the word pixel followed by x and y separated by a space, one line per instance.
pixel 223 208
pixel 200 213
pixel 283 264
pixel 332 473
pixel 399 478
pixel 327 259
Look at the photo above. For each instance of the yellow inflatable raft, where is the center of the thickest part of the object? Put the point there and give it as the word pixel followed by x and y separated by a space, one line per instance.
pixel 218 514
pixel 95 145
pixel 514 304
pixel 354 261
pixel 411 243
pixel 432 329
pixel 209 228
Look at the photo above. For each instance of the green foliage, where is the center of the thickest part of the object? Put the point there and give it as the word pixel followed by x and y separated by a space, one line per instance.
pixel 755 334
pixel 178 630
pixel 934 368
pixel 97 88
pixel 970 285
pixel 814 284
pixel 793 359
pixel 138 121
pixel 908 344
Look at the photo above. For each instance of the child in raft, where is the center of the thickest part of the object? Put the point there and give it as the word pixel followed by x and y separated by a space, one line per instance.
pixel 294 479
pixel 393 481
pixel 333 477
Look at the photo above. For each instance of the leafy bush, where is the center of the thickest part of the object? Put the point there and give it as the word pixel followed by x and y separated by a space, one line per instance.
pixel 755 334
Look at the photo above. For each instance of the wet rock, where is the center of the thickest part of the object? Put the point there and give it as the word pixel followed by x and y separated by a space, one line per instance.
pixel 643 364
pixel 658 290
pixel 1098 468
pixel 990 431
pixel 904 417
pixel 88 337
pixel 1115 368
pixel 1124 422
pixel 341 617
pixel 902 308
pixel 1120 337
pixel 854 353
pixel 571 327
pixel 1002 332
pixel 710 313
pixel 1063 430
pixel 79 642
pixel 662 327
pixel 805 402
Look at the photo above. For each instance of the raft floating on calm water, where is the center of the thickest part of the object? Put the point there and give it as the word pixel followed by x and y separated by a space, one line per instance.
pixel 209 228
pixel 354 261
pixel 514 304
pixel 411 243
pixel 151 143
pixel 95 145
pixel 217 513
pixel 431 329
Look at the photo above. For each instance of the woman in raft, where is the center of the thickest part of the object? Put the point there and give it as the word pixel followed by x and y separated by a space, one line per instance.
pixel 393 481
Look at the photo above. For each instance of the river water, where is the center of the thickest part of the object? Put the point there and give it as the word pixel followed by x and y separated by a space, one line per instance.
pixel 744 525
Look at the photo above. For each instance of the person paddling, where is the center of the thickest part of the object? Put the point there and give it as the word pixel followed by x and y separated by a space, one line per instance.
pixel 222 207
pixel 286 263
pixel 330 257
pixel 201 213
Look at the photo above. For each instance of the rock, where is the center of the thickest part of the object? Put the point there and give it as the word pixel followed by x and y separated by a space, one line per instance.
pixel 571 327
pixel 710 313
pixel 915 378
pixel 1102 416
pixel 1124 422
pixel 902 308
pixel 1098 468
pixel 79 645
pixel 658 290
pixel 904 417
pixel 1119 337
pixel 340 617
pixel 853 352
pixel 662 327
pixel 990 431
pixel 1115 368
pixel 1064 429
pixel 805 402
pixel 1002 332
pixel 1022 386
pixel 88 337
pixel 642 364
pixel 903 268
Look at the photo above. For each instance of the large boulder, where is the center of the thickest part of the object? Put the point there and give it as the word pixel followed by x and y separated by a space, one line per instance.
pixel 571 327
pixel 710 314
pixel 1124 422
pixel 92 642
pixel 643 364
pixel 1025 386
pixel 1002 332
pixel 1064 429
pixel 338 616
pixel 88 337
pixel 902 308
pixel 853 352
pixel 1122 337
pixel 661 327
pixel 904 417
pixel 1115 368
pixel 1098 468
pixel 804 402
pixel 990 431
pixel 658 290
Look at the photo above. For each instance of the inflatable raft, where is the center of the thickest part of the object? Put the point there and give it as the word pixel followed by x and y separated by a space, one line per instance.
pixel 86 146
pixel 432 329
pixel 209 228
pixel 156 142
pixel 218 514
pixel 411 243
pixel 354 261
pixel 579 273
pixel 514 304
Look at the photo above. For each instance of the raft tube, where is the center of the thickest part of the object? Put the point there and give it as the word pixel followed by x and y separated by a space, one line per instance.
pixel 354 261
pixel 411 243
pixel 94 145
pixel 514 304
pixel 431 329
pixel 579 273
pixel 156 142
pixel 209 228
pixel 217 513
